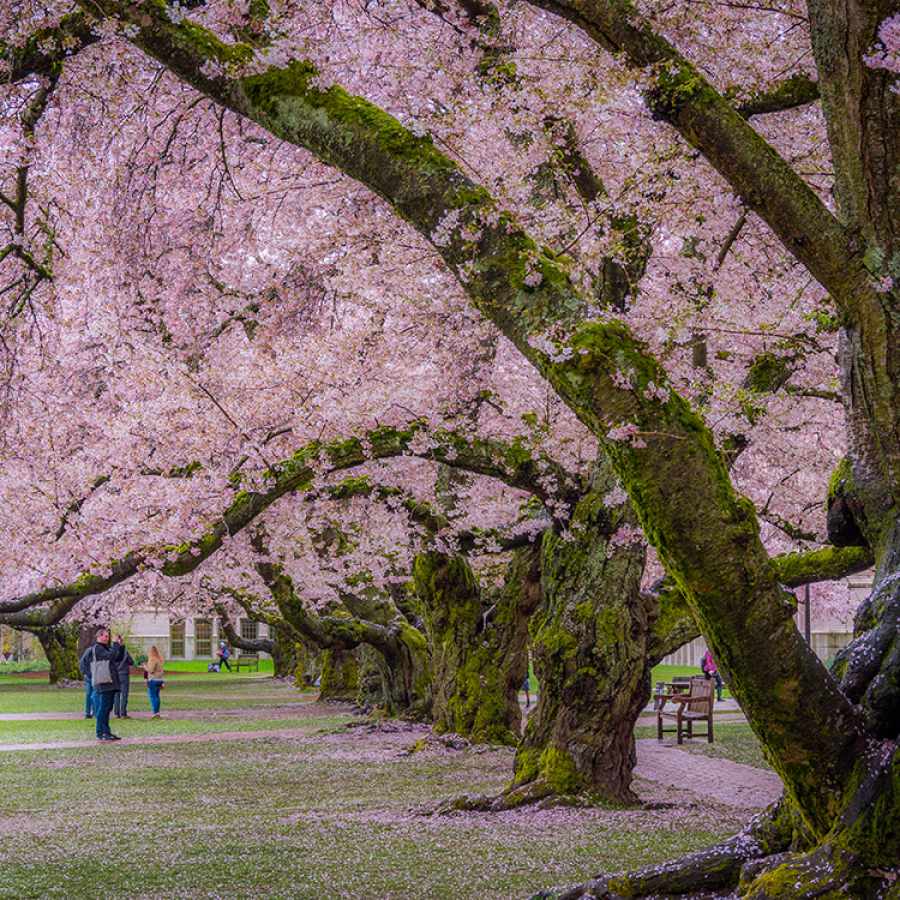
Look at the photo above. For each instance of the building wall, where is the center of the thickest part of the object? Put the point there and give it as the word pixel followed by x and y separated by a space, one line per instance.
pixel 147 628
pixel 828 633
pixel 825 645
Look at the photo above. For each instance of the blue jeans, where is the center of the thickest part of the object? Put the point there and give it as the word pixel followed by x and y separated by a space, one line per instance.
pixel 153 687
pixel 88 696
pixel 103 703
pixel 120 704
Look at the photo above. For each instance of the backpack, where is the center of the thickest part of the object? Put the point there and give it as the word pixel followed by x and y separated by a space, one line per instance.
pixel 101 673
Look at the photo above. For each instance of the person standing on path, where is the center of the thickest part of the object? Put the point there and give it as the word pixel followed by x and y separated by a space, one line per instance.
pixel 123 669
pixel 154 669
pixel 711 670
pixel 84 666
pixel 102 660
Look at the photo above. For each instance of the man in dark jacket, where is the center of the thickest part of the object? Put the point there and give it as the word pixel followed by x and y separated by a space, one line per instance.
pixel 104 691
pixel 123 670
pixel 84 666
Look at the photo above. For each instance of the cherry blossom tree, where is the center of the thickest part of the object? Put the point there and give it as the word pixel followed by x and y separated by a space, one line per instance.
pixel 671 126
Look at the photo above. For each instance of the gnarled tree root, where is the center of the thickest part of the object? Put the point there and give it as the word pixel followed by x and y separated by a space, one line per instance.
pixel 703 873
pixel 537 793
pixel 825 872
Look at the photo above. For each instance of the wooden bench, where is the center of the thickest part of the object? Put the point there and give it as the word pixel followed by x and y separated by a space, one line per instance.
pixel 250 661
pixel 680 683
pixel 693 705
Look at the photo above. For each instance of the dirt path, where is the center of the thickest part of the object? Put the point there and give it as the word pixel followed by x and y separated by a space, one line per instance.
pixel 731 783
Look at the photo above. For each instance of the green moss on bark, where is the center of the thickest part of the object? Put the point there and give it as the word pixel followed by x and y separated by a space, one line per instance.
pixel 340 676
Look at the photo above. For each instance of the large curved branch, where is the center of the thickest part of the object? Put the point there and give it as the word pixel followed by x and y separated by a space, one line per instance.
pixel 663 453
pixel 255 645
pixel 679 94
pixel 675 625
pixel 52 615
pixel 792 93
pixel 510 462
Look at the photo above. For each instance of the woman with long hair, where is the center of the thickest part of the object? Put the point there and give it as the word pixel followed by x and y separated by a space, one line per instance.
pixel 153 670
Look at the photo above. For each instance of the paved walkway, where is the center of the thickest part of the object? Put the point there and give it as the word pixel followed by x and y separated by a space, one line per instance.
pixel 731 783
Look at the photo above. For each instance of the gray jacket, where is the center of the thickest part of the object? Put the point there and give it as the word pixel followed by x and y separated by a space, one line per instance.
pixel 115 653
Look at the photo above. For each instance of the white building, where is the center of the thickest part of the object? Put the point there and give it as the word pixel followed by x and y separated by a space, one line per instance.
pixel 189 638
pixel 828 632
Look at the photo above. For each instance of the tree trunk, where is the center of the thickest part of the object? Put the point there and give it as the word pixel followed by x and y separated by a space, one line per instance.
pixel 479 649
pixel 289 655
pixel 340 675
pixel 307 663
pixel 60 645
pixel 590 651
pixel 371 680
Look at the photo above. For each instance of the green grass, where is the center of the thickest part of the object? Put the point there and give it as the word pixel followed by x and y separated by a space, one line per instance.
pixel 734 741
pixel 332 814
pixel 42 730
pixel 30 665
pixel 200 665
pixel 184 691
pixel 667 673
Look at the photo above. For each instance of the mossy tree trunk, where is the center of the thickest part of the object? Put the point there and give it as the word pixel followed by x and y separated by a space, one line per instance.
pixel 340 675
pixel 840 774
pixel 403 648
pixel 479 644
pixel 590 651
pixel 288 653
pixel 306 659
pixel 60 646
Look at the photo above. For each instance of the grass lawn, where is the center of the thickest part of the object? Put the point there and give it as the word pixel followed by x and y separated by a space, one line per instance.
pixel 734 741
pixel 667 673
pixel 199 690
pixel 329 814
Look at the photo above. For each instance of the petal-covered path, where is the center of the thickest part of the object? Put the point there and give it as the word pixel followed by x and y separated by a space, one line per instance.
pixel 733 784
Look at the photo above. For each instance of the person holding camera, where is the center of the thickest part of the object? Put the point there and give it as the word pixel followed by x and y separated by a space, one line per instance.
pixel 103 658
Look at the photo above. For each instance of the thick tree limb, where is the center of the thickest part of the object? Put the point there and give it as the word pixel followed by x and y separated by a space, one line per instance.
pixel 257 645
pixel 680 95
pixel 663 453
pixel 675 625
pixel 793 92
pixel 511 463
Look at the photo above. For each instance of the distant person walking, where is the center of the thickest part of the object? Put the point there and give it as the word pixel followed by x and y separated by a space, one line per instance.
pixel 223 653
pixel 103 658
pixel 154 670
pixel 711 670
pixel 123 668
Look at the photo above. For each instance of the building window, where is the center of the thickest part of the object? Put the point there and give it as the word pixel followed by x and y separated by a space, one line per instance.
pixel 249 629
pixel 176 639
pixel 202 637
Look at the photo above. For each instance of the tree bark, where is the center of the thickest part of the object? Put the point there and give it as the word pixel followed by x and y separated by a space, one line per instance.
pixel 60 645
pixel 707 536
pixel 340 675
pixel 590 651
pixel 479 644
